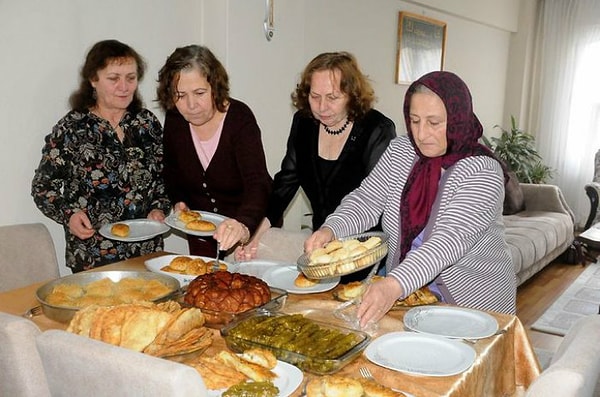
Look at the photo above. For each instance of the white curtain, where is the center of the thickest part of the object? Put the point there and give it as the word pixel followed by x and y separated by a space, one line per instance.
pixel 565 105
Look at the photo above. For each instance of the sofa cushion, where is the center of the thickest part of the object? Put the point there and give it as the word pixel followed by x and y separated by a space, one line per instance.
pixel 514 200
pixel 535 235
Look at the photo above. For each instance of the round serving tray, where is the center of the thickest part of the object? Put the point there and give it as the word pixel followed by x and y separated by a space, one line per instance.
pixel 64 314
pixel 347 265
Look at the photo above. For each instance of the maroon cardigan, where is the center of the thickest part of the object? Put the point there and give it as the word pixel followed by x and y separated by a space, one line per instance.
pixel 236 184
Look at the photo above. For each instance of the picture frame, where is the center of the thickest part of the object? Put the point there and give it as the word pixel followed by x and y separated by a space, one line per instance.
pixel 421 46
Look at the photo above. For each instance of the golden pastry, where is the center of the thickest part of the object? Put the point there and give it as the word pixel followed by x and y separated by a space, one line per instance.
pixel 201 225
pixel 188 216
pixel 302 281
pixel 120 230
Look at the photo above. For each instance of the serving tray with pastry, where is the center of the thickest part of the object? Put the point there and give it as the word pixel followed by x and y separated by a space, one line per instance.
pixel 195 222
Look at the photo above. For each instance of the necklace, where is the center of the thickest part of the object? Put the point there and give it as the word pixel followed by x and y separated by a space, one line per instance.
pixel 336 132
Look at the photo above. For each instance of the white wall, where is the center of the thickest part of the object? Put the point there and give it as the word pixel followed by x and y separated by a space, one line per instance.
pixel 44 43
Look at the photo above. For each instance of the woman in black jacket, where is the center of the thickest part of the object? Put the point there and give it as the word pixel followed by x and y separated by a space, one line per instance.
pixel 335 140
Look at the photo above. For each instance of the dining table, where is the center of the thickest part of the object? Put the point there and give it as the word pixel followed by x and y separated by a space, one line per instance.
pixel 505 363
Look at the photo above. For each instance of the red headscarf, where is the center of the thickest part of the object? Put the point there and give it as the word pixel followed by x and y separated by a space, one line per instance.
pixel 463 131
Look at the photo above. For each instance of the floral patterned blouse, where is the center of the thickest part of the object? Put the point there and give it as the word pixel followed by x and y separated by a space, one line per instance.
pixel 85 167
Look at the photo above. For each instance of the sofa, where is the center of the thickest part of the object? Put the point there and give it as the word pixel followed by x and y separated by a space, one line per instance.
pixel 536 235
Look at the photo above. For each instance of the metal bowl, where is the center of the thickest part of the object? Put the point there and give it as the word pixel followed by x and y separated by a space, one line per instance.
pixel 64 314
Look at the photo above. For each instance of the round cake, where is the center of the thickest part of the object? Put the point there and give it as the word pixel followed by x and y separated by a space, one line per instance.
pixel 227 292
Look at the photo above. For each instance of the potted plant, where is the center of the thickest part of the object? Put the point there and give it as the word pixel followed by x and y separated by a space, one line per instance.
pixel 517 149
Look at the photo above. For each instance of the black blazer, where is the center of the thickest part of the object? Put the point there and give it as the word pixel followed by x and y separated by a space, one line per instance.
pixel 368 140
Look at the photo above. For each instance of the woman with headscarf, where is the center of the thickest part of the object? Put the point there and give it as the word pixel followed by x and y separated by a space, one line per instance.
pixel 439 194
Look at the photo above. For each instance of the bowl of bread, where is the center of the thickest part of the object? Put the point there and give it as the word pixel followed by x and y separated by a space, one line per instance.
pixel 345 255
pixel 62 298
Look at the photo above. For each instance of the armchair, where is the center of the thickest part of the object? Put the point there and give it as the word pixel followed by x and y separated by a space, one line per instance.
pixel 592 190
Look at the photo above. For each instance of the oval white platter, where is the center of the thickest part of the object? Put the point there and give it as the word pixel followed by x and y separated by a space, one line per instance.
pixel 139 230
pixel 173 221
pixel 283 277
pixel 289 377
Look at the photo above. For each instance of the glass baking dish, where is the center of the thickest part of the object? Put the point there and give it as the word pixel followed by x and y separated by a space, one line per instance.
pixel 345 345
pixel 347 265
pixel 219 319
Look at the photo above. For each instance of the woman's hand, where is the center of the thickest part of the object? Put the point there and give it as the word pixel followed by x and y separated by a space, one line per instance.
pixel 377 300
pixel 318 239
pixel 230 232
pixel 249 251
pixel 180 206
pixel 80 225
pixel 157 215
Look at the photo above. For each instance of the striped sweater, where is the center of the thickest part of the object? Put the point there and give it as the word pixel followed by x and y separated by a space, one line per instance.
pixel 463 243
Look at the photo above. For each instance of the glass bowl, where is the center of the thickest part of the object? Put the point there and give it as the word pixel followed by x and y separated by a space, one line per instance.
pixel 347 265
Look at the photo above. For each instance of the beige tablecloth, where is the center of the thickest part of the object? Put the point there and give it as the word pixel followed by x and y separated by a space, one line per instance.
pixel 505 364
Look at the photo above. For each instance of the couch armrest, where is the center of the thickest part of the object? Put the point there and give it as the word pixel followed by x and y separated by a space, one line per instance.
pixel 592 190
pixel 544 197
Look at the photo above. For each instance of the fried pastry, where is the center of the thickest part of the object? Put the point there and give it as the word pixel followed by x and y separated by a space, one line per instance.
pixel 188 216
pixel 201 225
pixel 333 386
pixel 253 371
pixel 216 375
pixel 302 281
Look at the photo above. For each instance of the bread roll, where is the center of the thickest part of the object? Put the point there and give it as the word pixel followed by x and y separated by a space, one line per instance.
pixel 120 230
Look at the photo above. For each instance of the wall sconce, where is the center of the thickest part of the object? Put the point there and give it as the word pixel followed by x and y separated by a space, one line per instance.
pixel 268 24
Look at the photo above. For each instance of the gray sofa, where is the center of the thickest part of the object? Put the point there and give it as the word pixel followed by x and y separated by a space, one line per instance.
pixel 540 233
pixel 536 236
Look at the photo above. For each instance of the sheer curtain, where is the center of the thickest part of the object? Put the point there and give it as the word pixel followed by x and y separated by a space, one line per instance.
pixel 565 106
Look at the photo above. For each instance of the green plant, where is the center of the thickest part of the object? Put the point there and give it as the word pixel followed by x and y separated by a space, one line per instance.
pixel 517 149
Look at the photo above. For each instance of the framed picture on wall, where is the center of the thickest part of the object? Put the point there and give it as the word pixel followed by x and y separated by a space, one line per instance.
pixel 421 46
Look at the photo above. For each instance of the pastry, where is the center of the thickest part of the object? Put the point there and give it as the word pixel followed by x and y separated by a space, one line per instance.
pixel 200 225
pixel 188 216
pixel 227 292
pixel 333 386
pixel 120 230
pixel 302 281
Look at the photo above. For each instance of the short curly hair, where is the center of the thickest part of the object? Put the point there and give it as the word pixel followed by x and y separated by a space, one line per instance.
pixel 189 57
pixel 352 83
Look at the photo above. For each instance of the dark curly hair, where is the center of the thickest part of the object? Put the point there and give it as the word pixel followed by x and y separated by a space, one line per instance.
pixel 192 56
pixel 98 57
pixel 352 83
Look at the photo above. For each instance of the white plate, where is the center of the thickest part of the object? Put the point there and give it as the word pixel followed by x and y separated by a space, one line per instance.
pixel 139 230
pixel 173 221
pixel 451 322
pixel 283 277
pixel 155 264
pixel 289 377
pixel 420 354
pixel 258 267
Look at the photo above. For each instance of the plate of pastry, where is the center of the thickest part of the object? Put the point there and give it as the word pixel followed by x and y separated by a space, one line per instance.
pixel 132 230
pixel 293 281
pixel 194 222
pixel 185 268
